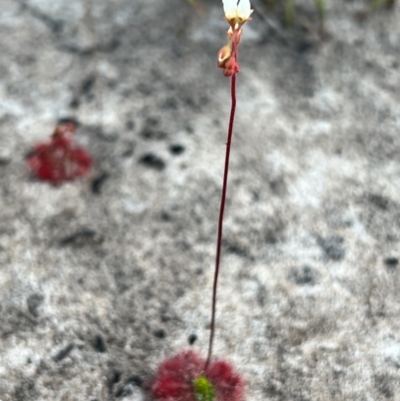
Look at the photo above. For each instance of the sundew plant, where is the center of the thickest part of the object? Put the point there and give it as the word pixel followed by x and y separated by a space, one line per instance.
pixel 59 159
pixel 188 376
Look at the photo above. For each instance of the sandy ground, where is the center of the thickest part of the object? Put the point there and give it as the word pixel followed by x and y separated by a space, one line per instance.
pixel 102 278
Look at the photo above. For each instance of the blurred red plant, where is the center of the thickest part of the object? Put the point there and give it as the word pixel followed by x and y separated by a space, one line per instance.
pixel 183 377
pixel 59 159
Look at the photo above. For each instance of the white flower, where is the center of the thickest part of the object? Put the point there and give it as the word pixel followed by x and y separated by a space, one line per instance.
pixel 238 11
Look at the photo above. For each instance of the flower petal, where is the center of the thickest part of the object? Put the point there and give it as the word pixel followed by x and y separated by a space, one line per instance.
pixel 244 9
pixel 230 8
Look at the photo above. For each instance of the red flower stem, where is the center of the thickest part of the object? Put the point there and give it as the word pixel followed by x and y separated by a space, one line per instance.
pixel 221 217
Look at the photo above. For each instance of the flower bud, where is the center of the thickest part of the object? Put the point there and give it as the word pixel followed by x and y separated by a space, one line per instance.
pixel 224 55
pixel 237 12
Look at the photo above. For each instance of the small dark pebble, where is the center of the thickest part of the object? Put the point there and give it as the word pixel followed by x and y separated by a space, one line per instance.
pixel 98 182
pixel 82 238
pixel 192 339
pixel 159 333
pixel 176 149
pixel 165 216
pixel 115 376
pixel 153 161
pixel 99 344
pixel 237 249
pixel 391 262
pixel 63 353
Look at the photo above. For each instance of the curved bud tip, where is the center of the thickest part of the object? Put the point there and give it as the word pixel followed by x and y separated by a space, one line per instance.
pixel 223 55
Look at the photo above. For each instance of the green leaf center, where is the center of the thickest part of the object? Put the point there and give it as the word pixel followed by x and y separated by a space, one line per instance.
pixel 203 389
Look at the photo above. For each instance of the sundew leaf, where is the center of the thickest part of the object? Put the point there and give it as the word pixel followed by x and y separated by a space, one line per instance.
pixel 204 390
